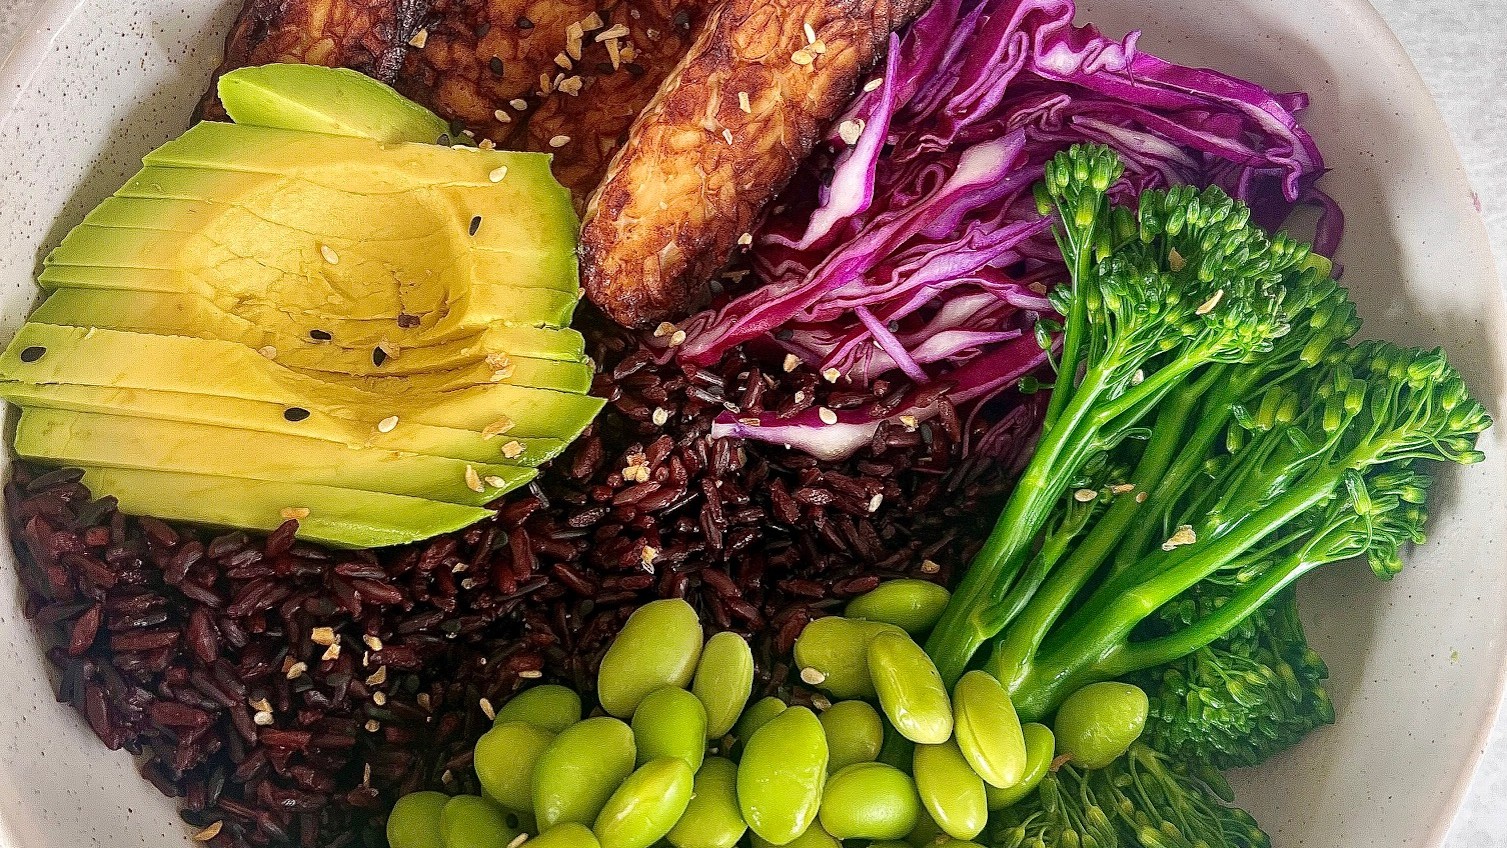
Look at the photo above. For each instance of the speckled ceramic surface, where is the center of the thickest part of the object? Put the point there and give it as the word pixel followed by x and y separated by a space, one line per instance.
pixel 1416 663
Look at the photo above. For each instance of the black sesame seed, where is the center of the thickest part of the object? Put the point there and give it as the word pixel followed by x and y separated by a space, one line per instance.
pixel 407 321
pixel 33 353
pixel 683 19
pixel 475 224
pixel 379 356
pixel 483 28
pixel 320 335
pixel 295 413
pixel 496 65
pixel 635 68
pixel 443 140
pixel 525 23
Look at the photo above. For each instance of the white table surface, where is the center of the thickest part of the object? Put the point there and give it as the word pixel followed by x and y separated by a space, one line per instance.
pixel 1457 45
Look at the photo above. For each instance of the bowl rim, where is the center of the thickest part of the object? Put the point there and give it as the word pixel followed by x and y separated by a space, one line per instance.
pixel 50 17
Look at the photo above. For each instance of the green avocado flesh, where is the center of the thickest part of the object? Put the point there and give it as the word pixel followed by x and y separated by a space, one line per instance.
pixel 315 309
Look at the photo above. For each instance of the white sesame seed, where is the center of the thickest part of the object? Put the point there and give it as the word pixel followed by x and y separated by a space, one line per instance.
pixel 746 239
pixel 851 131
pixel 518 103
pixel 821 702
pixel 1140 497
pixel 531 674
pixel 727 135
pixel 329 254
pixel 497 175
pixel 802 57
pixel 519 840
pixel 259 704
pixel 817 47
pixel 571 85
pixel 647 555
pixel 810 33
pixel 494 481
pixel 1208 306
pixel 209 832
pixel 873 84
pixel 743 102
pixel 262 718
pixel 502 117
pixel 665 328
pixel 813 676
pixel 909 422
pixel 677 338
pixel 295 671
pixel 378 677
pixel 388 424
pixel 661 416
pixel 486 709
pixel 1085 495
pixel 826 415
pixel 379 698
pixel 875 502
pixel 372 726
pixel 559 141
pixel 750 422
pixel 1122 488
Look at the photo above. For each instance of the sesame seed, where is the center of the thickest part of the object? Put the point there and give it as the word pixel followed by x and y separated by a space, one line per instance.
pixel 496 66
pixel 615 53
pixel 295 670
pixel 320 335
pixel 810 32
pixel 1138 377
pixel 571 85
pixel 372 726
pixel 743 102
pixel 524 23
pixel 727 135
pixel 1183 536
pixel 813 676
pixel 329 254
pixel 873 84
pixel 519 840
pixel 419 39
pixel 262 718
pixel 33 353
pixel 1140 497
pixel 209 832
pixel 614 31
pixel 826 415
pixel 909 422
pixel 423 699
pixel 1208 306
pixel 821 702
pixel 929 567
pixel 486 709
pixel 475 224
pixel 851 131
pixel 473 480
pixel 322 635
pixel 875 502
pixel 678 338
pixel 497 428
pixel 294 513
pixel 379 698
pixel 746 239
pixel 378 677
pixel 502 117
pixel 792 362
pixel 512 450
pixel 259 704
pixel 661 416
pixel 532 674
pixel 518 103
pixel 497 175
pixel 1085 495
pixel 559 141
pixel 817 47
pixel 331 653
pixel 372 642
pixel 665 328
pixel 269 351
pixel 1122 488
pixel 750 422
pixel 832 375
pixel 802 57
pixel 494 481
pixel 388 424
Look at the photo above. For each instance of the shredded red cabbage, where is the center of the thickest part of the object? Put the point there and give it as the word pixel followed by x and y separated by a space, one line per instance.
pixel 913 243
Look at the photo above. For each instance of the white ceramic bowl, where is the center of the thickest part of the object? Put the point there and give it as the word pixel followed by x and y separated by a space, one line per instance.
pixel 1417 664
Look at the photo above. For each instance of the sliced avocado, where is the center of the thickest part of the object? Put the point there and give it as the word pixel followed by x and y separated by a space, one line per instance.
pixel 42 353
pixel 313 348
pixel 115 441
pixel 347 518
pixel 337 101
pixel 260 416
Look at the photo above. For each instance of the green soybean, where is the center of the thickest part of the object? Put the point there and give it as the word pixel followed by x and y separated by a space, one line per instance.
pixel 889 843
pixel 724 681
pixel 756 716
pixel 855 734
pixel 813 837
pixel 988 730
pixel 1099 722
pixel 670 722
pixel 782 775
pixel 551 707
pixel 468 821
pixel 658 646
pixel 910 689
pixel 927 831
pixel 870 801
pixel 950 791
pixel 647 805
pixel 415 820
pixel 911 605
pixel 567 835
pixel 505 757
pixel 580 770
pixel 1040 749
pixel 833 652
pixel 712 819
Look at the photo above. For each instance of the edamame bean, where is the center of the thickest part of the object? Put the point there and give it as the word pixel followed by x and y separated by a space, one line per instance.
pixel 870 801
pixel 580 770
pixel 646 806
pixel 469 821
pixel 724 681
pixel 910 689
pixel 782 775
pixel 567 835
pixel 927 831
pixel 551 707
pixel 670 722
pixel 658 646
pixel 832 652
pixel 988 730
pixel 756 716
pixel 950 791
pixel 911 605
pixel 855 734
pixel 415 820
pixel 1099 722
pixel 712 819
pixel 814 837
pixel 505 757
pixel 1040 749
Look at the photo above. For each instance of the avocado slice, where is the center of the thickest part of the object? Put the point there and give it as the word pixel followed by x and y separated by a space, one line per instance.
pixel 114 441
pixel 43 353
pixel 347 518
pixel 263 417
pixel 337 101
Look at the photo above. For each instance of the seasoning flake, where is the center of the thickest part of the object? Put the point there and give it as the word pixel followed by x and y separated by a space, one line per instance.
pixel 850 131
pixel 497 428
pixel 1183 536
pixel 512 450
pixel 832 375
pixel 294 671
pixel 210 831
pixel 473 480
pixel 614 31
pixel 294 513
pixel 743 103
pixel 792 362
pixel 419 39
pixel 661 416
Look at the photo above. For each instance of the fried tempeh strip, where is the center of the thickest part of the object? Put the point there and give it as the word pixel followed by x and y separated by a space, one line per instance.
pixel 697 168
pixel 370 36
